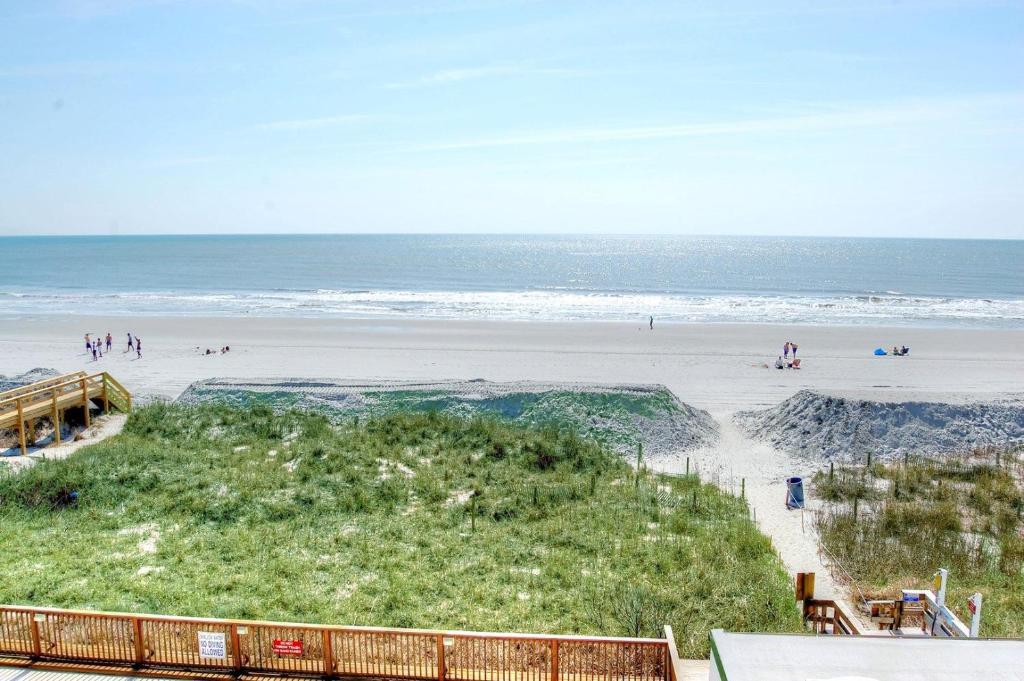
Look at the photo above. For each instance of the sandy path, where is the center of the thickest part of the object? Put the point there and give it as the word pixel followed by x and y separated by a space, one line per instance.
pixel 736 458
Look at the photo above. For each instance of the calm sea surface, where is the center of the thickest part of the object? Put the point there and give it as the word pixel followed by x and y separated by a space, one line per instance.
pixel 702 279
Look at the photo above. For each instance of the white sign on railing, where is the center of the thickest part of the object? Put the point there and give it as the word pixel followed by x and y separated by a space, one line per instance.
pixel 212 645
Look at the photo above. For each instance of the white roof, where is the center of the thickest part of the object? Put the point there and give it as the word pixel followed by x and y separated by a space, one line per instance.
pixel 780 657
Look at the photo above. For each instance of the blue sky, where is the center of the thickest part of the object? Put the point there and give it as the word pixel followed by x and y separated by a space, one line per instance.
pixel 819 117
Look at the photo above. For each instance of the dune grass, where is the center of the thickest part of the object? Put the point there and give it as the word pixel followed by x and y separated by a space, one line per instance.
pixel 412 520
pixel 891 526
pixel 622 419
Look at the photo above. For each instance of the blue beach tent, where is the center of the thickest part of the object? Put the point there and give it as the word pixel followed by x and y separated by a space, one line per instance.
pixel 879 352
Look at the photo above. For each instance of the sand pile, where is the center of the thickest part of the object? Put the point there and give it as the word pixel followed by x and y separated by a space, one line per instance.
pixel 619 415
pixel 30 376
pixel 847 428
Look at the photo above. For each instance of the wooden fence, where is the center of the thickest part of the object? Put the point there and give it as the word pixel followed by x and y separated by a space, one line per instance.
pixel 830 617
pixel 238 647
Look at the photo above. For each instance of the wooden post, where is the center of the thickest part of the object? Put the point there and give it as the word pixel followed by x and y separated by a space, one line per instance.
pixel 236 648
pixel 85 402
pixel 21 428
pixel 328 654
pixel 106 400
pixel 554 660
pixel 55 417
pixel 441 667
pixel 37 647
pixel 743 488
pixel 140 649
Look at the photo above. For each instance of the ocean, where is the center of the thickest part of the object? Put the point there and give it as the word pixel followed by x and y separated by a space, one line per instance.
pixel 929 282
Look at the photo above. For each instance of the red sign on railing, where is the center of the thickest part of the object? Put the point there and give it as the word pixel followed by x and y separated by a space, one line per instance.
pixel 287 647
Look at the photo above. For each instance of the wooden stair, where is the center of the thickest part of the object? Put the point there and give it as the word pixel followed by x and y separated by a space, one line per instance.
pixel 21 406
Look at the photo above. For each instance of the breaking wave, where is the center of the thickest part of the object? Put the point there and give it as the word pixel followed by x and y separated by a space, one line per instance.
pixel 542 304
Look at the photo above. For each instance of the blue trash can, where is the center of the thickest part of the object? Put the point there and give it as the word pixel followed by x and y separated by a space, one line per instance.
pixel 794 492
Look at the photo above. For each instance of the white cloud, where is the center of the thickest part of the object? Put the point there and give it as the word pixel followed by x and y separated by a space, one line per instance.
pixel 873 117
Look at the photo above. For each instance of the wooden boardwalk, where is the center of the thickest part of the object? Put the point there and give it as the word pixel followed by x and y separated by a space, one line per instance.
pixel 20 408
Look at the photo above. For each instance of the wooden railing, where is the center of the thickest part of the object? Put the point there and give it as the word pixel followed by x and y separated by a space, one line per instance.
pixel 675 664
pixel 237 646
pixel 40 385
pixel 830 617
pixel 49 398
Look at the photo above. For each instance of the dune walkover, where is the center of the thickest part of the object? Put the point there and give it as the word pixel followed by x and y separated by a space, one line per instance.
pixel 22 407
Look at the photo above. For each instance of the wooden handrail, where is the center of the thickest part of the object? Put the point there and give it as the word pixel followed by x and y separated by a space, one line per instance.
pixel 243 646
pixel 333 627
pixel 71 382
pixel 842 623
pixel 20 407
pixel 675 664
pixel 74 383
pixel 114 382
pixel 39 385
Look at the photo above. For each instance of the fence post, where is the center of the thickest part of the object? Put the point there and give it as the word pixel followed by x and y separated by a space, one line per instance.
pixel 37 647
pixel 236 647
pixel 441 667
pixel 140 649
pixel 21 428
pixel 55 417
pixel 554 659
pixel 328 654
pixel 85 402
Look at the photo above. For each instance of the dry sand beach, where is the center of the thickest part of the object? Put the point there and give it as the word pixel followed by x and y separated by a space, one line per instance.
pixel 721 368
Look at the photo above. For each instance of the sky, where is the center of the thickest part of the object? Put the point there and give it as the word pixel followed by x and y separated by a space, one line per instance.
pixel 824 117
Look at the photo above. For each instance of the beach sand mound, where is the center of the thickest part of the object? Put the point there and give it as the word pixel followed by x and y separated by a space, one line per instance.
pixel 622 416
pixel 30 376
pixel 847 428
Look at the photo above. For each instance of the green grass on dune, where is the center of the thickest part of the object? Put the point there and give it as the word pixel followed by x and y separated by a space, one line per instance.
pixel 219 511
pixel 964 513
pixel 609 417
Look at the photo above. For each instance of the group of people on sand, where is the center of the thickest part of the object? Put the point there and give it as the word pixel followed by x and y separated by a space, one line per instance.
pixel 95 347
pixel 788 359
pixel 900 352
pixel 226 348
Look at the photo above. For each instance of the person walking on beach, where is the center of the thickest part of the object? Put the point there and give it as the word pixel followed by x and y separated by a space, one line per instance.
pixel 138 347
pixel 652 323
pixel 110 342
pixel 792 346
pixel 88 344
pixel 785 351
pixel 98 345
pixel 94 351
pixel 131 344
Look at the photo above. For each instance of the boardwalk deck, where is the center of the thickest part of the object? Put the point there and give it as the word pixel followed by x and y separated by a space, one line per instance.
pixel 20 407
